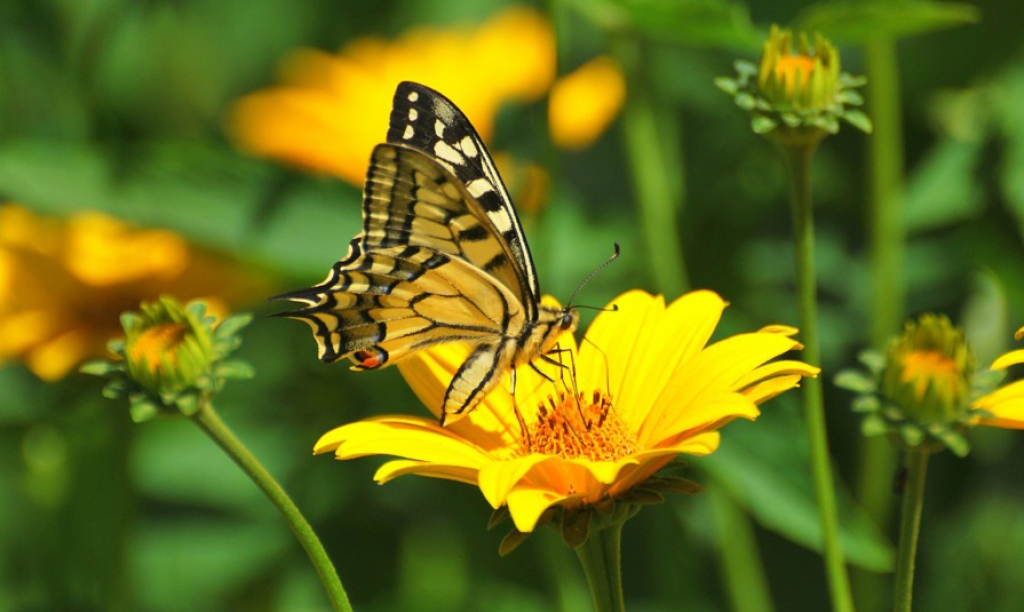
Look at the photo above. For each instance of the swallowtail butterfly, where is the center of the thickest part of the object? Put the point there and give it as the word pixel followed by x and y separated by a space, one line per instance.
pixel 441 258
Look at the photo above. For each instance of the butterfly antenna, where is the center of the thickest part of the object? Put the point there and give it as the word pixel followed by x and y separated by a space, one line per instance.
pixel 613 257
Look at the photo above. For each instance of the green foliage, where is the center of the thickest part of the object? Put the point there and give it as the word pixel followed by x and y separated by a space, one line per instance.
pixel 860 22
pixel 119 106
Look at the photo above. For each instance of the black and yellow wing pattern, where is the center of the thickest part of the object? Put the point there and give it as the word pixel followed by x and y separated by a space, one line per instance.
pixel 441 258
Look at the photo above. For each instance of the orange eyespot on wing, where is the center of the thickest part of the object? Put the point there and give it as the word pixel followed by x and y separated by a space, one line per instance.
pixel 369 359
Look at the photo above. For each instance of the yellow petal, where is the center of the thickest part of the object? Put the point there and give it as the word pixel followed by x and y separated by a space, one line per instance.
pixel 401 467
pixel 1009 359
pixel 527 505
pixel 1008 414
pixel 408 437
pixel 712 372
pixel 643 344
pixel 709 413
pixel 767 389
pixel 500 478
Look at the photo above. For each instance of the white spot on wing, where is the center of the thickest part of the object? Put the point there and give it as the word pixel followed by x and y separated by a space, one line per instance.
pixel 469 147
pixel 478 187
pixel 408 133
pixel 439 128
pixel 445 151
pixel 413 96
pixel 413 114
pixel 501 220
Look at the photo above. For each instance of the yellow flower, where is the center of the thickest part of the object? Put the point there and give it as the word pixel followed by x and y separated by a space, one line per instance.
pixel 331 110
pixel 64 283
pixel 584 102
pixel 1004 407
pixel 644 388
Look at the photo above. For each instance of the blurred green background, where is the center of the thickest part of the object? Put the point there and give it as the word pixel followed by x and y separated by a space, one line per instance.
pixel 119 106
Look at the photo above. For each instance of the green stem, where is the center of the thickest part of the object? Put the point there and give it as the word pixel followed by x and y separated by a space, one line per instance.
pixel 798 161
pixel 877 457
pixel 601 558
pixel 888 239
pixel 888 235
pixel 910 527
pixel 741 565
pixel 207 418
pixel 652 149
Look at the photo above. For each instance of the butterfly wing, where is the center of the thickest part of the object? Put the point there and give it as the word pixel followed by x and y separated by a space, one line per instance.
pixel 424 119
pixel 441 258
pixel 412 200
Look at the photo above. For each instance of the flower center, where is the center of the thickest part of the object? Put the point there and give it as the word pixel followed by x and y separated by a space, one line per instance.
pixel 581 427
pixel 158 341
pixel 794 70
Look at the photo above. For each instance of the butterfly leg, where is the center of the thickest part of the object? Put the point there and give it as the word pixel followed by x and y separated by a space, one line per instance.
pixel 563 368
pixel 515 407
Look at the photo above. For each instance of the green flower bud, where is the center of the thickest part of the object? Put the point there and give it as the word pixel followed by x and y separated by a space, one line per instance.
pixel 928 372
pixel 173 358
pixel 796 96
pixel 167 348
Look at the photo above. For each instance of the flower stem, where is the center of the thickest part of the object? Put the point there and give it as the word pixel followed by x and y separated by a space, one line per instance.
pixel 798 161
pixel 601 558
pixel 877 457
pixel 740 562
pixel 652 149
pixel 910 526
pixel 207 419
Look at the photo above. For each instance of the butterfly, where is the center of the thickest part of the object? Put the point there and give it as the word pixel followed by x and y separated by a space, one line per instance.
pixel 442 258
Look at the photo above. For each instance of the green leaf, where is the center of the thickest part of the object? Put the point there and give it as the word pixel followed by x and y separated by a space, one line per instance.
pixel 855 380
pixel 859 120
pixel 866 403
pixel 762 125
pixel 765 468
pixel 728 85
pixel 858 22
pixel 99 367
pixel 700 23
pixel 874 425
pixel 235 368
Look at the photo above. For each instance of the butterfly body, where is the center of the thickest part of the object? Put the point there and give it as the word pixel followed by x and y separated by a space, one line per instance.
pixel 442 258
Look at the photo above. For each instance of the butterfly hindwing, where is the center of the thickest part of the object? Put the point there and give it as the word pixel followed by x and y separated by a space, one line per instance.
pixel 396 300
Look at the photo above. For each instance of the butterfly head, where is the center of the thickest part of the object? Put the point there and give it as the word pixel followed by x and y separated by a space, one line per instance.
pixel 552 322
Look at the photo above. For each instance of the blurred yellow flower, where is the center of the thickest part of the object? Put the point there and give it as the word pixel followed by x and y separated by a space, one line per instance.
pixel 584 102
pixel 646 383
pixel 331 110
pixel 64 283
pixel 1005 405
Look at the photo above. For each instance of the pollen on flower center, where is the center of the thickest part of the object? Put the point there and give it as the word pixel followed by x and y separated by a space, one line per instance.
pixel 600 435
pixel 156 342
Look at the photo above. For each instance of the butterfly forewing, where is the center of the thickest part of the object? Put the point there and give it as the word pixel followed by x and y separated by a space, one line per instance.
pixel 411 200
pixel 424 119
